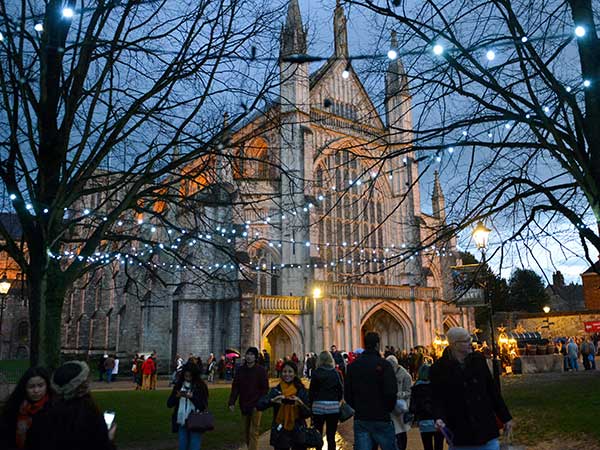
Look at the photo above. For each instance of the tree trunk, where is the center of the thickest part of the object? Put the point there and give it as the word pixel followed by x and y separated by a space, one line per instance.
pixel 46 297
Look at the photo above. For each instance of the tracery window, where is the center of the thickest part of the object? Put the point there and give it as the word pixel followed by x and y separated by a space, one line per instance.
pixel 255 161
pixel 267 274
pixel 351 213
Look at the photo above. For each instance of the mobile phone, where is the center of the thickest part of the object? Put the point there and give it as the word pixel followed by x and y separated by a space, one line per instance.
pixel 109 418
pixel 288 401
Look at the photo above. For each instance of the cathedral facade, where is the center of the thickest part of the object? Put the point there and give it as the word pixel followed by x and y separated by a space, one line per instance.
pixel 332 242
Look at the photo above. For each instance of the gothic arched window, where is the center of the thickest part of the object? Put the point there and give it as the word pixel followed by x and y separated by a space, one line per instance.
pixel 255 161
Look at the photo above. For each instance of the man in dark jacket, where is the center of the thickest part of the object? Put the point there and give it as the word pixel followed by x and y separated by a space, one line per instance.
pixel 249 384
pixel 371 388
pixel 339 359
pixel 466 399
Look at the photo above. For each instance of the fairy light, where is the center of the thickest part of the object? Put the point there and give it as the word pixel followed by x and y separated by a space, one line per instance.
pixel 587 83
pixel 68 13
pixel 580 31
pixel 392 54
pixel 438 49
pixel 490 55
pixel 38 27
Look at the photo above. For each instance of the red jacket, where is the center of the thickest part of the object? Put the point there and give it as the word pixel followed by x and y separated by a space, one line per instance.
pixel 148 367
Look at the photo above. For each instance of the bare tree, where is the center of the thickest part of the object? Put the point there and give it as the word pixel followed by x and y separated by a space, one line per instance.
pixel 111 117
pixel 506 98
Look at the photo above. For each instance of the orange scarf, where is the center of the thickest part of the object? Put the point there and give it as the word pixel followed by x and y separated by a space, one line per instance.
pixel 288 414
pixel 25 418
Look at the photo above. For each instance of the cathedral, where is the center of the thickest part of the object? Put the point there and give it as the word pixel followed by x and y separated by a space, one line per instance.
pixel 334 241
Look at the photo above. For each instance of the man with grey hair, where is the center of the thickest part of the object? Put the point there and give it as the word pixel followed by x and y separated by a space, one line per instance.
pixel 466 399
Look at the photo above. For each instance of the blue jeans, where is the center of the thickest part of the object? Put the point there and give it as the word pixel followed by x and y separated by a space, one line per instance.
pixel 573 363
pixel 367 433
pixel 494 444
pixel 189 440
pixel 109 375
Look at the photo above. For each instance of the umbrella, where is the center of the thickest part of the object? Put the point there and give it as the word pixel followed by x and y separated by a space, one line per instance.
pixel 232 355
pixel 229 351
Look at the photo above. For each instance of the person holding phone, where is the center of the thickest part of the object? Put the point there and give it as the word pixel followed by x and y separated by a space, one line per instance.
pixel 190 393
pixel 466 401
pixel 74 420
pixel 290 403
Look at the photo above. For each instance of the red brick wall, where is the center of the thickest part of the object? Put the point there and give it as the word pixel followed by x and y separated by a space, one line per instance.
pixel 591 290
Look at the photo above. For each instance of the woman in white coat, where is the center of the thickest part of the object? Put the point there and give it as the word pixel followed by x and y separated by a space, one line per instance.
pixel 404 381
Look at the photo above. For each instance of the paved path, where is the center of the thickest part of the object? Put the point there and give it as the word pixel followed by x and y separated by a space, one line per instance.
pixel 344 439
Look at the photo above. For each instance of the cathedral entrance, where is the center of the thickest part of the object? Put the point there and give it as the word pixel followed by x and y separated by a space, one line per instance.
pixel 389 329
pixel 278 343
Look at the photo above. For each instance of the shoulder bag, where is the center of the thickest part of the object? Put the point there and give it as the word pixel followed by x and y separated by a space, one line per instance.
pixel 200 421
pixel 346 412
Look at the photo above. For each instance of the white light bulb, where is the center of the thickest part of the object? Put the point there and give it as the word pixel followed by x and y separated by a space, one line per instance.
pixel 579 31
pixel 438 49
pixel 464 133
pixel 438 159
pixel 38 27
pixel 490 55
pixel 524 39
pixel 587 83
pixel 13 197
pixel 345 74
pixel 29 206
pixel 450 149
pixel 490 135
pixel 507 126
pixel 568 88
pixel 392 54
pixel 68 13
pixel 546 109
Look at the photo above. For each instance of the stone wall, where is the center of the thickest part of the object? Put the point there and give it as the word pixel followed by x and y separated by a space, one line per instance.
pixel 563 324
pixel 591 290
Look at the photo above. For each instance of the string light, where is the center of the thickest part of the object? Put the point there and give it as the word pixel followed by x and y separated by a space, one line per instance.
pixel 438 49
pixel 587 83
pixel 392 54
pixel 524 39
pixel 1 37
pixel 580 31
pixel 68 13
pixel 490 55
pixel 38 27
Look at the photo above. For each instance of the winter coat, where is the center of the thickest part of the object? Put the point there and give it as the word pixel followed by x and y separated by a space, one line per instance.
pixel 199 400
pixel 249 384
pixel 370 387
pixel 148 367
pixel 421 400
pixel 467 399
pixel 285 437
pixel 404 381
pixel 326 385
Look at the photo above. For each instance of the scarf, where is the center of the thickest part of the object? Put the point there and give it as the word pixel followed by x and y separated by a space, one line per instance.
pixel 185 405
pixel 25 417
pixel 288 414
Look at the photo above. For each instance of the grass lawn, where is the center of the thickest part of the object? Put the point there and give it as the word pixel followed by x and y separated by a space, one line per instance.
pixel 13 369
pixel 143 418
pixel 555 407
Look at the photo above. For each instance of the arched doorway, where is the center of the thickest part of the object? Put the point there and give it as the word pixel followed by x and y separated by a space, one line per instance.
pixel 389 329
pixel 278 343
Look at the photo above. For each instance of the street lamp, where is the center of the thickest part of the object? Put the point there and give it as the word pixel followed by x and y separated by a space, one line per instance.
pixel 481 235
pixel 4 288
pixel 546 309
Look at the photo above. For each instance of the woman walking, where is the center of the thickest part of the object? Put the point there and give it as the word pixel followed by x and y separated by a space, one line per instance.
pixel 421 405
pixel 325 393
pixel 190 393
pixel 27 402
pixel 289 400
pixel 404 381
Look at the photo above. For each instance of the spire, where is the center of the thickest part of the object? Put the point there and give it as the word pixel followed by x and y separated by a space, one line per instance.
pixel 340 34
pixel 293 35
pixel 395 79
pixel 437 199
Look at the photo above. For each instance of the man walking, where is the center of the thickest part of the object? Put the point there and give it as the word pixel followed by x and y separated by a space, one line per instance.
pixel 109 366
pixel 371 388
pixel 249 384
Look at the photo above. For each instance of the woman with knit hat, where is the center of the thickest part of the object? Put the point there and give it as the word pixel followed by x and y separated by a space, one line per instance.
pixel 290 403
pixel 74 421
pixel 28 401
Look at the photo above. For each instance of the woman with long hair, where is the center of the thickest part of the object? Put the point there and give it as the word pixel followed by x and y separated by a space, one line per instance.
pixel 74 420
pixel 190 393
pixel 290 403
pixel 326 392
pixel 29 399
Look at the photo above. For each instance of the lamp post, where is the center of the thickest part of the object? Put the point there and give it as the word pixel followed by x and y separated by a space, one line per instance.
pixel 4 288
pixel 481 235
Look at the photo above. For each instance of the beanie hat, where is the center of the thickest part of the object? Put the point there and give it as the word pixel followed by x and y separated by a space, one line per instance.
pixel 457 334
pixel 68 380
pixel 252 350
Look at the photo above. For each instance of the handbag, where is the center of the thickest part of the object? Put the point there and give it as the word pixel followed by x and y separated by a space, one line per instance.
pixel 308 437
pixel 200 421
pixel 346 412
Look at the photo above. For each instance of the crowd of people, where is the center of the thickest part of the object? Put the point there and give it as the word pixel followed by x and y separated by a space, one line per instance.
pixel 575 348
pixel 449 397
